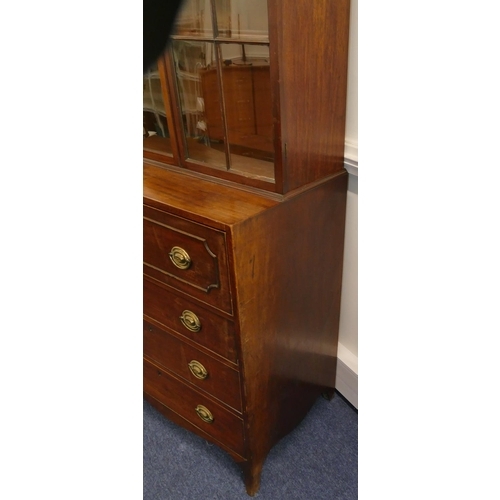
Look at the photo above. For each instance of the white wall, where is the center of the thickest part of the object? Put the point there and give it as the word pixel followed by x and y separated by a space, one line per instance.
pixel 351 133
pixel 347 370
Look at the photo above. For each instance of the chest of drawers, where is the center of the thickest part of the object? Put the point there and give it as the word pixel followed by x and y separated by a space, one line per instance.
pixel 241 308
pixel 244 215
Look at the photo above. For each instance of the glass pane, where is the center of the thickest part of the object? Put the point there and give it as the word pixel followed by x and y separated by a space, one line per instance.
pixel 197 83
pixel 155 128
pixel 242 18
pixel 194 19
pixel 247 97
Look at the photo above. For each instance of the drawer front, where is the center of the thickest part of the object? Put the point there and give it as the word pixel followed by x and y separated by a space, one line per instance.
pixel 203 371
pixel 189 404
pixel 190 320
pixel 187 256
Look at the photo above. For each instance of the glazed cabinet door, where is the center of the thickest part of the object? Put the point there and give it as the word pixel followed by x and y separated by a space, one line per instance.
pixel 222 74
pixel 159 135
pixel 252 91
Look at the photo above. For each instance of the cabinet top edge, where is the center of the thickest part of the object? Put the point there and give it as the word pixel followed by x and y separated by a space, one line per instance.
pixel 205 201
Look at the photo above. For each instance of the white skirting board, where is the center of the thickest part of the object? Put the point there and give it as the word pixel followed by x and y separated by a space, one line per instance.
pixel 347 375
pixel 351 157
pixel 347 362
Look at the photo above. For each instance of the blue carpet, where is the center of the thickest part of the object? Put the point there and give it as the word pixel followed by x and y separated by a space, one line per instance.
pixel 317 461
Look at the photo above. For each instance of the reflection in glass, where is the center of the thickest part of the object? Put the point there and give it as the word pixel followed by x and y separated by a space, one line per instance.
pixel 247 122
pixel 197 83
pixel 224 89
pixel 242 18
pixel 247 95
pixel 194 19
pixel 155 128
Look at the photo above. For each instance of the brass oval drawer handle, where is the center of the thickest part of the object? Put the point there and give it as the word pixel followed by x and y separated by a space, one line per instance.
pixel 205 414
pixel 197 369
pixel 180 258
pixel 190 321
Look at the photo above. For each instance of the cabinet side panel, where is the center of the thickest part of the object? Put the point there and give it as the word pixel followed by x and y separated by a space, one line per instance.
pixel 288 272
pixel 313 73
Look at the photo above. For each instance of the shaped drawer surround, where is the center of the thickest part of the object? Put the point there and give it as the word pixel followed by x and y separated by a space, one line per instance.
pixel 187 256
